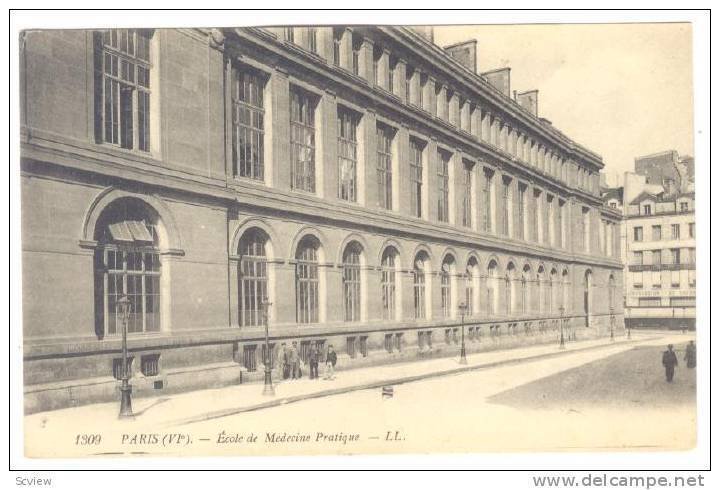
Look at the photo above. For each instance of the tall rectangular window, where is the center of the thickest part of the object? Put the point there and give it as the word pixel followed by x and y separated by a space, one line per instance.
pixel 675 231
pixel 657 232
pixel 505 215
pixel 657 257
pixel 347 155
pixel 384 166
pixel 416 178
pixel 487 201
pixel 388 284
pixel 312 39
pixel 302 140
pixel 467 194
pixel 125 68
pixel 419 292
pixel 674 255
pixel 637 258
pixel 638 234
pixel 691 230
pixel 443 182
pixel 248 143
pixel 521 212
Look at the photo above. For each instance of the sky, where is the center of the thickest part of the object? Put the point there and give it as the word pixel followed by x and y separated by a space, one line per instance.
pixel 621 90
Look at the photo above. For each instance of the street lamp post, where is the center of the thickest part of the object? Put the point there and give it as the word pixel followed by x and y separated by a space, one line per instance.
pixel 562 327
pixel 268 389
pixel 463 308
pixel 612 324
pixel 123 311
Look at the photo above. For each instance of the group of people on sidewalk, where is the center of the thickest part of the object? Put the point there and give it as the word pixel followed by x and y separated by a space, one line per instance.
pixel 290 362
pixel 670 360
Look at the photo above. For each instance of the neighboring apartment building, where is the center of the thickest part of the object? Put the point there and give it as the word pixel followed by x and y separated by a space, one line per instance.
pixel 362 179
pixel 658 248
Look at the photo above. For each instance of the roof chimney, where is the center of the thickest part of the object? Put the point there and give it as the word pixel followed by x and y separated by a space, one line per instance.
pixel 500 79
pixel 424 31
pixel 529 101
pixel 464 52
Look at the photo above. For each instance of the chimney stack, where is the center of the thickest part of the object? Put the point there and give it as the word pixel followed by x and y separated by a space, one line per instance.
pixel 464 52
pixel 424 31
pixel 529 101
pixel 500 79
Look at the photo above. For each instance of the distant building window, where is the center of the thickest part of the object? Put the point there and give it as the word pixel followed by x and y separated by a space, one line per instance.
pixel 123 88
pixel 384 166
pixel 248 142
pixel 290 34
pixel 649 302
pixel 638 234
pixel 389 342
pixel 443 182
pixel 691 256
pixel 684 207
pixel 637 258
pixel 691 230
pixel 613 205
pixel 416 178
pixel 312 39
pixel 302 140
pixel 674 255
pixel 646 209
pixel 347 155
pixel 657 233
pixel 675 232
pixel 657 257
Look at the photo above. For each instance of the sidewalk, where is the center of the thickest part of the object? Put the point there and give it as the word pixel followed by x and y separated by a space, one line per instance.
pixel 186 408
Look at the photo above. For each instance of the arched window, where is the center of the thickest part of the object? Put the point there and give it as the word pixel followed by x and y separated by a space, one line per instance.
pixel 553 292
pixel 446 293
pixel 253 277
pixel 510 289
pixel 388 281
pixel 471 289
pixel 566 290
pixel 524 295
pixel 419 285
pixel 307 280
pixel 492 280
pixel 127 263
pixel 352 282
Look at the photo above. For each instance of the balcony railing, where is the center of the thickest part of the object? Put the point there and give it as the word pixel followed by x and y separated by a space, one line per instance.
pixel 661 267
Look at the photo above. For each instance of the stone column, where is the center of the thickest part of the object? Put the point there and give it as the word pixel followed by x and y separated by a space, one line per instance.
pixel 399 77
pixel 454 109
pixel 365 60
pixel 475 121
pixel 325 43
pixel 284 302
pixel 429 96
pixel 414 95
pixel 346 49
pixel 384 70
pixel 334 307
pixel 441 110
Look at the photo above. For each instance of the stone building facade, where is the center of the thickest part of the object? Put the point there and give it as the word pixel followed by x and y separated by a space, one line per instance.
pixel 362 179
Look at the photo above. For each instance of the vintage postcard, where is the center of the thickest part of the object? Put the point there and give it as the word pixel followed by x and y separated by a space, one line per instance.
pixel 347 239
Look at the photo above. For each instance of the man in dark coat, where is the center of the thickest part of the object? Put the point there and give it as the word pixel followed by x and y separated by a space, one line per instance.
pixel 313 358
pixel 690 355
pixel 294 361
pixel 330 361
pixel 669 360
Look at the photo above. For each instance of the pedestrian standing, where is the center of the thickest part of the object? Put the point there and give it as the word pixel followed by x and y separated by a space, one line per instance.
pixel 313 358
pixel 281 360
pixel 690 355
pixel 330 361
pixel 669 360
pixel 294 361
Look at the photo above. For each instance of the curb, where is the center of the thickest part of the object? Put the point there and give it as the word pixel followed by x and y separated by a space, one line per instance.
pixel 378 384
